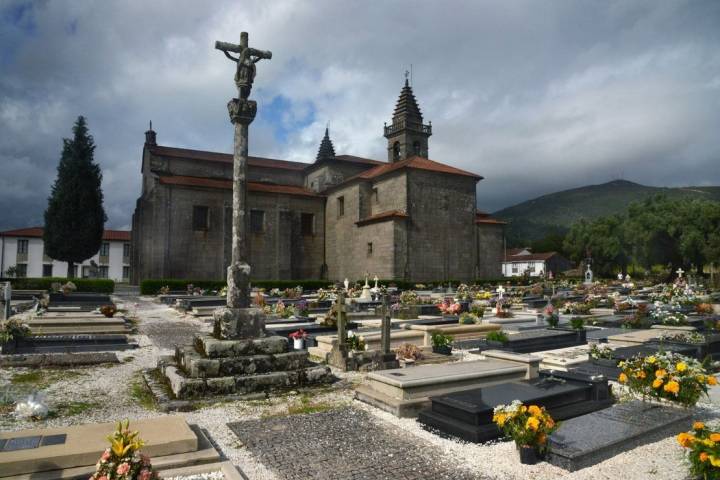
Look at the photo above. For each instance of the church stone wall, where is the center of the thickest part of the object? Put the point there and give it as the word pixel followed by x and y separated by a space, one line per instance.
pixel 340 252
pixel 441 233
pixel 391 193
pixel 490 248
pixel 280 176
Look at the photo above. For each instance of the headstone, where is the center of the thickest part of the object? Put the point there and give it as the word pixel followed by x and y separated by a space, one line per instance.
pixel 588 276
pixel 6 298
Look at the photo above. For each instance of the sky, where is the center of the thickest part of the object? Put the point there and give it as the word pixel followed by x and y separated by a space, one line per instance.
pixel 536 96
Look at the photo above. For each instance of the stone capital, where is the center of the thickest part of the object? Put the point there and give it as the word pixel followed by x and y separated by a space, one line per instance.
pixel 242 111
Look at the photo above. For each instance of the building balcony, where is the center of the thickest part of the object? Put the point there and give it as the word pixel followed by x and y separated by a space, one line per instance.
pixel 21 257
pixel 412 126
pixel 104 260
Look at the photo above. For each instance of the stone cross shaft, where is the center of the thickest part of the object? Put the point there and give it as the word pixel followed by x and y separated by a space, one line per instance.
pixel 242 113
pixel 385 326
pixel 340 312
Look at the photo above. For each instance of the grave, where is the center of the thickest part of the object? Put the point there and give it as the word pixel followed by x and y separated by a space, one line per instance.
pixel 175 448
pixel 468 414
pixel 68 344
pixel 405 391
pixel 537 340
pixel 583 441
pixel 50 324
pixel 608 366
pixel 640 336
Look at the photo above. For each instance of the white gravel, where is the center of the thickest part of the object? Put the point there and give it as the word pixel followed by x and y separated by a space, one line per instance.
pixel 109 388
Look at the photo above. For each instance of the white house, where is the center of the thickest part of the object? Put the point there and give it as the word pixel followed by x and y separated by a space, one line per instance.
pixel 24 249
pixel 521 260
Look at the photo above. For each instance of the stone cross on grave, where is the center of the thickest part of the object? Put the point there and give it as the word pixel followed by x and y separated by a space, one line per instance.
pixel 340 311
pixel 680 272
pixel 385 326
pixel 237 320
pixel 500 290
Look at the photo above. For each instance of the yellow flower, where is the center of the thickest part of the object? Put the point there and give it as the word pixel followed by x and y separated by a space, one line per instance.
pixel 700 378
pixel 499 419
pixel 657 383
pixel 534 410
pixel 640 374
pixel 708 443
pixel 672 387
pixel 715 437
pixel 651 360
pixel 660 373
pixel 714 461
pixel 622 378
pixel 523 408
pixel 703 457
pixel 532 423
pixel 711 380
pixel 698 426
pixel 681 367
pixel 685 439
pixel 542 438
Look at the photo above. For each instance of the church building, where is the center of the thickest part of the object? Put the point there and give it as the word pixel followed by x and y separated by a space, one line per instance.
pixel 407 218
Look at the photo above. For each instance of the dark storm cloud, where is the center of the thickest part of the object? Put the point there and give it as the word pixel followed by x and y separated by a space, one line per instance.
pixel 536 96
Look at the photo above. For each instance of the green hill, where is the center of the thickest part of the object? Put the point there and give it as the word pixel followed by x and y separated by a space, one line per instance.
pixel 555 212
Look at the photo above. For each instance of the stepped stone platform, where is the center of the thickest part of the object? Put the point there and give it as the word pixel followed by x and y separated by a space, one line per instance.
pixel 71 452
pixel 404 392
pixel 468 414
pixel 216 367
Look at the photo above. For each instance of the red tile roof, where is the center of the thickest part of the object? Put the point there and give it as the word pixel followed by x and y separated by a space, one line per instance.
pixel 418 163
pixel 354 159
pixel 37 232
pixel 533 257
pixel 380 217
pixel 227 185
pixel 485 218
pixel 225 158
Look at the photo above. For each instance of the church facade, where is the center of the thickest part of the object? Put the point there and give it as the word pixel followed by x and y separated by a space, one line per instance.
pixel 343 216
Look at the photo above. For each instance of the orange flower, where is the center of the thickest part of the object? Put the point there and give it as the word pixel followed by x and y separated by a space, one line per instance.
pixel 685 439
pixel 711 380
pixel 550 422
pixel 532 423
pixel 660 373
pixel 703 457
pixel 622 378
pixel 698 426
pixel 657 383
pixel 542 438
pixel 534 410
pixel 715 437
pixel 672 387
pixel 640 374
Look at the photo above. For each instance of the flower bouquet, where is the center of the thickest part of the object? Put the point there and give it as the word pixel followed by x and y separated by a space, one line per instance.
pixel 123 460
pixel 704 451
pixel 528 426
pixel 298 338
pixel 108 310
pixel 666 376
pixel 447 308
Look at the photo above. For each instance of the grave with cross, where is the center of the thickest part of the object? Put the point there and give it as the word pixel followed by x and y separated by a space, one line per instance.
pixel 498 305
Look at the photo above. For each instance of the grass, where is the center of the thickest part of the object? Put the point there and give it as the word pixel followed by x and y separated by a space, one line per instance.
pixel 141 393
pixel 70 409
pixel 305 406
pixel 42 378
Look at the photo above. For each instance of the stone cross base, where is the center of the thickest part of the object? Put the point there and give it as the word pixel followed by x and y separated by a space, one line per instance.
pixel 366 361
pixel 238 323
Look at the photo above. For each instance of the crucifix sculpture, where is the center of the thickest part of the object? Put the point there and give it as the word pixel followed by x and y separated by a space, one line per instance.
pixel 237 320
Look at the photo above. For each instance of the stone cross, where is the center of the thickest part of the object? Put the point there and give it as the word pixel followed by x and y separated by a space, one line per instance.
pixel 500 290
pixel 680 272
pixel 340 313
pixel 242 113
pixel 376 280
pixel 385 326
pixel 5 300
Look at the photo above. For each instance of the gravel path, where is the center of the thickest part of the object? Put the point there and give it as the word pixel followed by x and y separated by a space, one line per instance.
pixel 106 393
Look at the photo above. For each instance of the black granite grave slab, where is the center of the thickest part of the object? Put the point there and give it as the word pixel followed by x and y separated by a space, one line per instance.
pixel 48 440
pixel 537 340
pixel 71 344
pixel 608 366
pixel 22 443
pixel 468 414
pixel 588 439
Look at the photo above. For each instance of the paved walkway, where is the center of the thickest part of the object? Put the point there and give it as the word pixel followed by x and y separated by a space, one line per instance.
pixel 342 444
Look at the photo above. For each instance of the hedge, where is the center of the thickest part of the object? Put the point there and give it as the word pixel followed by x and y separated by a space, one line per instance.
pixel 92 285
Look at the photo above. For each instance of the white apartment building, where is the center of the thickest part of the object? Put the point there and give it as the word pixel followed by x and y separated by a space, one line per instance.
pixel 24 249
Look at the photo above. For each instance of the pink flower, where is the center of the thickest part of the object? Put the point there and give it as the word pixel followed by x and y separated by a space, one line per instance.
pixel 105 456
pixel 123 468
pixel 145 475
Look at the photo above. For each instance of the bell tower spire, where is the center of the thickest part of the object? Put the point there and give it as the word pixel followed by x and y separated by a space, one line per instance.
pixel 407 136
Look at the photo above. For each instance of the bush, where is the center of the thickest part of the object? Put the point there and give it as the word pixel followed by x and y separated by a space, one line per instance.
pixel 497 336
pixel 92 285
pixel 153 286
pixel 577 323
pixel 468 319
pixel 440 339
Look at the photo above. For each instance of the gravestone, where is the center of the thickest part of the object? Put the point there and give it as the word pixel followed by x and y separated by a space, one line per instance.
pixel 468 414
pixel 589 439
pixel 5 299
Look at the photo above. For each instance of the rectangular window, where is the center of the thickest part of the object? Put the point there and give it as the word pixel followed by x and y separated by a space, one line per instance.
pixel 307 224
pixel 47 270
pixel 126 250
pixel 257 221
pixel 376 198
pixel 126 273
pixel 341 206
pixel 201 220
pixel 369 248
pixel 85 271
pixel 103 272
pixel 514 268
pixel 21 269
pixel 22 246
pixel 105 249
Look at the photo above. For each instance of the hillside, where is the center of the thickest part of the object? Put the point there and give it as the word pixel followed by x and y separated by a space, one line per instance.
pixel 555 212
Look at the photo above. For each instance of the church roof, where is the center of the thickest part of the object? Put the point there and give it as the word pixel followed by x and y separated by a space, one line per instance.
pixel 187 181
pixel 37 232
pixel 326 151
pixel 416 162
pixel 224 157
pixel 379 217
pixel 407 107
pixel 486 218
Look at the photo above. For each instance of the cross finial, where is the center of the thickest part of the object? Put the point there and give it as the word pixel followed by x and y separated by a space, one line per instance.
pixel 150 124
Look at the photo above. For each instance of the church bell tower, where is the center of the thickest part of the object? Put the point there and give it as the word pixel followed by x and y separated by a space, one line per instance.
pixel 407 136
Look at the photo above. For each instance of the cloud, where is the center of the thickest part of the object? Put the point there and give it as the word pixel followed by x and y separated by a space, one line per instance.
pixel 533 96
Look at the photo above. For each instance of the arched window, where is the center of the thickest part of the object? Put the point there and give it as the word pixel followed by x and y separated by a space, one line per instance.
pixel 396 151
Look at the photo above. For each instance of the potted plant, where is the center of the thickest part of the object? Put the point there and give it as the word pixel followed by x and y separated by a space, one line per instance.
pixel 577 323
pixel 496 338
pixel 441 343
pixel 355 343
pixel 602 355
pixel 123 459
pixel 11 332
pixel 703 454
pixel 468 318
pixel 298 338
pixel 528 426
pixel 108 310
pixel 408 351
pixel 551 316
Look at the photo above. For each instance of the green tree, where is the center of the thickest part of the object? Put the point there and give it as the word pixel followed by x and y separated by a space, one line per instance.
pixel 75 217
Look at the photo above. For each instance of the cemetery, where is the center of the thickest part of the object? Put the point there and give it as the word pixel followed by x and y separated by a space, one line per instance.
pixel 326 350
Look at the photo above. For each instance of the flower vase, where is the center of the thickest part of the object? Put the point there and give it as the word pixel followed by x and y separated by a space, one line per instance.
pixel 528 455
pixel 299 343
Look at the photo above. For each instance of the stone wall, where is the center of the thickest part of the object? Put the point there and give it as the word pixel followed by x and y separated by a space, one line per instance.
pixel 490 247
pixel 341 231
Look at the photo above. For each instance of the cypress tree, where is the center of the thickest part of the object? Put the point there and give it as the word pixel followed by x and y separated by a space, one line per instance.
pixel 75 217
